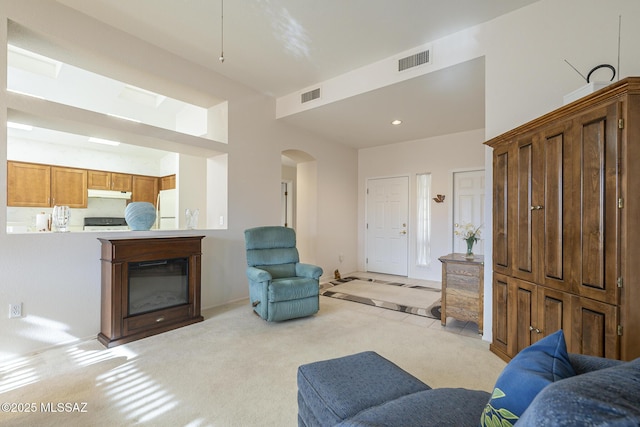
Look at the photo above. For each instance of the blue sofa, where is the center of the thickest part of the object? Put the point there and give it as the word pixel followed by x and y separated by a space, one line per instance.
pixel 366 389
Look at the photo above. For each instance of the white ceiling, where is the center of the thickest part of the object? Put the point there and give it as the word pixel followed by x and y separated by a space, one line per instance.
pixel 281 46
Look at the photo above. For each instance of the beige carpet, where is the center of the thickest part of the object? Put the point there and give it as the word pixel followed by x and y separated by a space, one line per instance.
pixel 233 369
pixel 418 300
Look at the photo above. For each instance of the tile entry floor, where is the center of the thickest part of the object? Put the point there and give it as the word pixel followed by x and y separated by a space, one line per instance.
pixel 454 326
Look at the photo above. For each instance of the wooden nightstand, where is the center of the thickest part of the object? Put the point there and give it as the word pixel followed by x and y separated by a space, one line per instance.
pixel 462 288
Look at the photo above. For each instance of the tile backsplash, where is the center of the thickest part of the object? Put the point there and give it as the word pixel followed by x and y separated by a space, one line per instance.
pixel 24 219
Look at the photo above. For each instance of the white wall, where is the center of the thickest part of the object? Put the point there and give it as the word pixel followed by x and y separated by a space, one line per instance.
pixel 192 188
pixel 57 276
pixel 439 156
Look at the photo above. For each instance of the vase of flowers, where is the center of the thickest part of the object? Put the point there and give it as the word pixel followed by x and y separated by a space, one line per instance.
pixel 470 234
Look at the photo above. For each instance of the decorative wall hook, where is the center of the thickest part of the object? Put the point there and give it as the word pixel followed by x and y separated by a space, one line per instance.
pixel 439 198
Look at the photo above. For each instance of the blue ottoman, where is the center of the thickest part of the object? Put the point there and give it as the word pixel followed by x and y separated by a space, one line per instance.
pixel 331 391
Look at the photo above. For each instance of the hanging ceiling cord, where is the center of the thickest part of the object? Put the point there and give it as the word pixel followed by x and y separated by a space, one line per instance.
pixel 221 31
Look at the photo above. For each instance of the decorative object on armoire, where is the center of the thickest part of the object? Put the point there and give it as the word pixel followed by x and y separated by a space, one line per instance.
pixel 470 234
pixel 439 198
pixel 590 87
pixel 565 221
pixel 140 216
pixel 60 217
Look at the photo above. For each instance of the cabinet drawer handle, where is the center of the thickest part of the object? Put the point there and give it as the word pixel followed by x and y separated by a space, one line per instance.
pixel 160 319
pixel 536 208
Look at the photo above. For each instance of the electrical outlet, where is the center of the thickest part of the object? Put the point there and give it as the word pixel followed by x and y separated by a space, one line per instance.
pixel 15 310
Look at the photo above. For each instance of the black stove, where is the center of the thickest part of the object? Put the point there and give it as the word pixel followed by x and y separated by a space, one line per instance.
pixel 105 223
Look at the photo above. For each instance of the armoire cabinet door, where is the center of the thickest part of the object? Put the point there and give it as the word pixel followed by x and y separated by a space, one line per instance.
pixel 522 306
pixel 503 166
pixel 553 313
pixel 501 318
pixel 597 211
pixel 552 214
pixel 526 161
pixel 594 328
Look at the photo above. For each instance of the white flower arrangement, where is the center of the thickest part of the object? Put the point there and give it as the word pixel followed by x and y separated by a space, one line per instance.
pixel 468 232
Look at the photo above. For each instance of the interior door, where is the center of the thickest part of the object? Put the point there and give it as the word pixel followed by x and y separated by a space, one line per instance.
pixel 468 207
pixel 387 225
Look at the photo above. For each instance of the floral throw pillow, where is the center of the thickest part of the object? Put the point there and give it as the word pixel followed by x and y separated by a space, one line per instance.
pixel 524 377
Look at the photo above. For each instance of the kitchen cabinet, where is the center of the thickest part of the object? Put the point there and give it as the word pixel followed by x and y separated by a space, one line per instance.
pixel 28 184
pixel 68 187
pixel 104 180
pixel 168 182
pixel 36 185
pixel 144 189
pixel 564 221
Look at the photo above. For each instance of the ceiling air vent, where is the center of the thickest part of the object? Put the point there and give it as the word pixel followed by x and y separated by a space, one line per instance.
pixel 413 60
pixel 310 96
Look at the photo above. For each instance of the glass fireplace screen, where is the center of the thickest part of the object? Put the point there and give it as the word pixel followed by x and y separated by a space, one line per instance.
pixel 156 285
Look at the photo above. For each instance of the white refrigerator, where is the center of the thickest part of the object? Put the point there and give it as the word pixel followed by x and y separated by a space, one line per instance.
pixel 168 210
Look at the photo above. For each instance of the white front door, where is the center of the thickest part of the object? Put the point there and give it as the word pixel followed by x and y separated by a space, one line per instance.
pixel 387 225
pixel 468 207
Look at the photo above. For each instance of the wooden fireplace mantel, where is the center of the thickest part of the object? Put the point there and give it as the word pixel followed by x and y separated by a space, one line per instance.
pixel 116 325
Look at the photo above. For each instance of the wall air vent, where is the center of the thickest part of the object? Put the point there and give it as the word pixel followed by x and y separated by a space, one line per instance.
pixel 413 60
pixel 310 96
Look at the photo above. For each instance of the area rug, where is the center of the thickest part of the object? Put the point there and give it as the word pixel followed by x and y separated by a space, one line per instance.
pixel 411 299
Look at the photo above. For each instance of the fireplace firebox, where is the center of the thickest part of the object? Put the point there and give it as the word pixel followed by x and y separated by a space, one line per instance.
pixel 149 286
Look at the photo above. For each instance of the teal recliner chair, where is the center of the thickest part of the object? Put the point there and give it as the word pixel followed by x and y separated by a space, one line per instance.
pixel 280 286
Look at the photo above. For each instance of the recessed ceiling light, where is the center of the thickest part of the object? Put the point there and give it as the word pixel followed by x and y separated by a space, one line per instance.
pixel 396 122
pixel 104 141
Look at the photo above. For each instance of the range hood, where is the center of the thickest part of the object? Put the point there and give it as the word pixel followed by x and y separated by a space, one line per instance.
pixel 109 194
